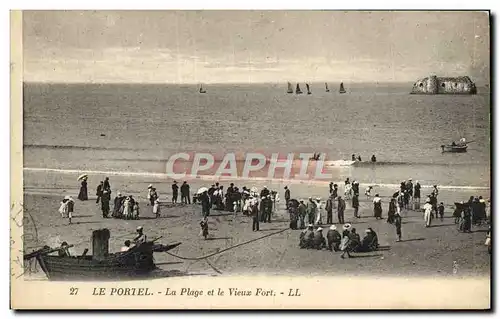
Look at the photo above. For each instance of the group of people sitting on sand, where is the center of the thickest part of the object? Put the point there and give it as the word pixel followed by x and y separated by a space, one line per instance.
pixel 347 242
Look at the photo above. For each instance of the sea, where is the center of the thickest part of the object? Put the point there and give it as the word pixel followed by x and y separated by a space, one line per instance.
pixel 135 128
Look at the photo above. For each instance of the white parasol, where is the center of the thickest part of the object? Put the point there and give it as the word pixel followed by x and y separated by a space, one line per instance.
pixel 82 177
pixel 202 190
pixel 254 189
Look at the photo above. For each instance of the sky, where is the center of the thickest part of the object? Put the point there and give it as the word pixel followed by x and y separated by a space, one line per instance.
pixel 253 46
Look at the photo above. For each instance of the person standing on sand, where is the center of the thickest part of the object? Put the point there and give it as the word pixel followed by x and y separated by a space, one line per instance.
pixel 99 190
pixel 287 195
pixel 83 195
pixel 335 191
pixel 340 210
pixel 127 208
pixel 255 216
pixel 401 201
pixel 377 207
pixel 105 199
pixel 441 211
pixel 392 211
pixel 118 202
pixel 355 188
pixel 428 213
pixel 355 205
pixel 175 192
pixel 63 208
pixel 106 184
pixel 205 204
pixel 136 210
pixel 156 208
pixel 409 188
pixel 466 220
pixel 397 222
pixel 302 214
pixel 416 195
pixel 319 208
pixel 151 195
pixel 311 211
pixel 71 208
pixel 204 227
pixel 329 210
pixel 185 198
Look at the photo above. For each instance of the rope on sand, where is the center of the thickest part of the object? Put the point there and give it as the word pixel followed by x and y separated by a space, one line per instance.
pixel 228 248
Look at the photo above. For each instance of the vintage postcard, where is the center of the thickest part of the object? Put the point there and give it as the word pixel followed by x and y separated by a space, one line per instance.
pixel 250 160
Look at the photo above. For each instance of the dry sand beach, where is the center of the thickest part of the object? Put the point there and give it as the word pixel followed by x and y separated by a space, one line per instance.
pixel 423 252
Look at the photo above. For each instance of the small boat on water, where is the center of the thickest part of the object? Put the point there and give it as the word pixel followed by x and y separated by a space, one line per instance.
pixel 454 148
pixel 297 89
pixel 202 90
pixel 136 261
pixel 341 89
pixel 326 87
pixel 308 89
pixel 460 147
pixel 290 88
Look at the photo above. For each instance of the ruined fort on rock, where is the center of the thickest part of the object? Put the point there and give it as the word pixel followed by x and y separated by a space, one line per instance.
pixel 444 85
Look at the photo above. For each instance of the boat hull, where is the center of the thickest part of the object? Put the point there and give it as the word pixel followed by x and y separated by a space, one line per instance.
pixel 135 262
pixel 453 149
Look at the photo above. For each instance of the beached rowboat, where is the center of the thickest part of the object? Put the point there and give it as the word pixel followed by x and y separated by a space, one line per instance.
pixel 137 261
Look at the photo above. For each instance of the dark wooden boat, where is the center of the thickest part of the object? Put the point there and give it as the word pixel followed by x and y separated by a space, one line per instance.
pixel 202 90
pixel 454 148
pixel 137 261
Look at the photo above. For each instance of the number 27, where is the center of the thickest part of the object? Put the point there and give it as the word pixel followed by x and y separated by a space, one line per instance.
pixel 73 291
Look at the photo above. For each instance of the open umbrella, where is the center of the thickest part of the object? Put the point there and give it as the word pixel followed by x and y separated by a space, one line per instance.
pixel 202 190
pixel 82 176
pixel 254 189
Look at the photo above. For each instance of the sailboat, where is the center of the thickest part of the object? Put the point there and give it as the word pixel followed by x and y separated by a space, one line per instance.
pixel 308 89
pixel 202 90
pixel 342 90
pixel 290 88
pixel 297 89
pixel 326 87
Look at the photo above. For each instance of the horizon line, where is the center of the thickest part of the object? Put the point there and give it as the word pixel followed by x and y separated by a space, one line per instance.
pixel 216 83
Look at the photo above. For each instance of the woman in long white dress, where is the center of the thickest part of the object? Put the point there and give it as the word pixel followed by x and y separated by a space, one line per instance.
pixel 127 210
pixel 319 209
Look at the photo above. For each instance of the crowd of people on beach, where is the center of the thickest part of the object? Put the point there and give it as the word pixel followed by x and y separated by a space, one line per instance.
pixel 262 205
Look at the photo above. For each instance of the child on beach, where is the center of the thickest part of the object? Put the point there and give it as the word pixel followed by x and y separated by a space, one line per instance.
pixel 441 211
pixel 204 227
pixel 63 208
pixel 156 208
